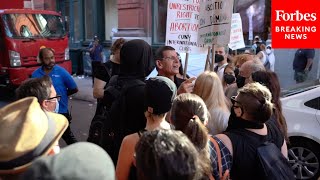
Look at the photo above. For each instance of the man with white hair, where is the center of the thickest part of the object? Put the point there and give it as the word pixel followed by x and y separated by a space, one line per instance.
pixel 246 71
pixel 244 76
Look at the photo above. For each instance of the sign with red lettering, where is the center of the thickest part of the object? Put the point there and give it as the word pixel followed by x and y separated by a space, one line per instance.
pixel 215 21
pixel 236 34
pixel 295 24
pixel 183 26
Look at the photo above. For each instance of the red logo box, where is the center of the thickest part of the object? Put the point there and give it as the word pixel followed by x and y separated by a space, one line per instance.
pixel 295 24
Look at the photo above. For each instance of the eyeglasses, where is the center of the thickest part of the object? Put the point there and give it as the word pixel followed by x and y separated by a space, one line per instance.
pixel 233 100
pixel 56 97
pixel 172 58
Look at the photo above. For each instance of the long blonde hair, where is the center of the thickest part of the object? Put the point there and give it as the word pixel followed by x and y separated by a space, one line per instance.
pixel 209 87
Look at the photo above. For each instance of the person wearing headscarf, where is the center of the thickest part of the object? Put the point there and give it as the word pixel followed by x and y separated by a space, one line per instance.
pixel 136 63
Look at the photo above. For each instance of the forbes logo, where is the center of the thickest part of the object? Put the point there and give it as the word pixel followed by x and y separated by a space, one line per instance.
pixel 295 16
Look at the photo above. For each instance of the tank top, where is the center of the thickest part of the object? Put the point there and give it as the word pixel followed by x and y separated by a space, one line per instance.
pixel 245 144
pixel 133 168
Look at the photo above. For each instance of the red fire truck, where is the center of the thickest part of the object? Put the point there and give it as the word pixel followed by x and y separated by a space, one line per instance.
pixel 22 33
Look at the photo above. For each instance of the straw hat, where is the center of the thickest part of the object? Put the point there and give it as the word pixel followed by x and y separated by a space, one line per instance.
pixel 27 132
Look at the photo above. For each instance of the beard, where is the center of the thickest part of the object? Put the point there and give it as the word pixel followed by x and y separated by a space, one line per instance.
pixel 49 66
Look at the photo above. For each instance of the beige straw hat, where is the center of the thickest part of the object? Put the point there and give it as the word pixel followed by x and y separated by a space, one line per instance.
pixel 27 132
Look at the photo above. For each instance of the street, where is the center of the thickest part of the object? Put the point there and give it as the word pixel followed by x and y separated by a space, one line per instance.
pixel 82 113
pixel 82 110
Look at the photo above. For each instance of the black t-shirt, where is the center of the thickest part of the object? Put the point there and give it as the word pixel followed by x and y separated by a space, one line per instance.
pixel 245 144
pixel 102 71
pixel 178 81
pixel 301 58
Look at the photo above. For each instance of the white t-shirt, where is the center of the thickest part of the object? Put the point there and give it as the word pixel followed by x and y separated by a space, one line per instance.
pixel 220 71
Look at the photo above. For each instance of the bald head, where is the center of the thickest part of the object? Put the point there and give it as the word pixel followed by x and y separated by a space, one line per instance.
pixel 250 67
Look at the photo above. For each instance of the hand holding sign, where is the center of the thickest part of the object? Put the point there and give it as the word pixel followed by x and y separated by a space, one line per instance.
pixel 186 86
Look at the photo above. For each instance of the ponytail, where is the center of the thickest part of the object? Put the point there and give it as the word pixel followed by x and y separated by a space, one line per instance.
pixel 197 133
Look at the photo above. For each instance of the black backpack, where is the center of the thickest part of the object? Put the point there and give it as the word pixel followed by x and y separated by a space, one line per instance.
pixel 273 165
pixel 104 131
pixel 98 121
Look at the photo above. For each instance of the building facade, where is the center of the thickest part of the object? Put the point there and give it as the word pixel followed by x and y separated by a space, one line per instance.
pixel 144 19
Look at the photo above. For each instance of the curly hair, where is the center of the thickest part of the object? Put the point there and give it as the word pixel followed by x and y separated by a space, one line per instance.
pixel 117 45
pixel 166 154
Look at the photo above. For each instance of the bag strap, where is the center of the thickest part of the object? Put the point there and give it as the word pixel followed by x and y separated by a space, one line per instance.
pixel 217 148
pixel 108 69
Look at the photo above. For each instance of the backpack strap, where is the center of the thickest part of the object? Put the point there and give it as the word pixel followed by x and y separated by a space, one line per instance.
pixel 108 68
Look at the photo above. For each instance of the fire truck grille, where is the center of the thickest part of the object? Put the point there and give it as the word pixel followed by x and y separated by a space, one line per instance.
pixel 30 60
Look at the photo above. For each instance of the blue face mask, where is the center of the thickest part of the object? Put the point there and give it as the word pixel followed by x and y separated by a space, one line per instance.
pixel 56 110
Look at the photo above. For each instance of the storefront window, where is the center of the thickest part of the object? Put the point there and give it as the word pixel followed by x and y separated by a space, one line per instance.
pixel 254 12
pixel 159 21
pixel 76 15
pixel 89 19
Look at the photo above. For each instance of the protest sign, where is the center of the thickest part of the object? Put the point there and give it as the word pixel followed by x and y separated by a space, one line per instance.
pixel 215 21
pixel 183 25
pixel 236 34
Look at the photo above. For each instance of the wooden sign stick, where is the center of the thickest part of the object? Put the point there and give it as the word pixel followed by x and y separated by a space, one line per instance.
pixel 208 59
pixel 212 58
pixel 185 66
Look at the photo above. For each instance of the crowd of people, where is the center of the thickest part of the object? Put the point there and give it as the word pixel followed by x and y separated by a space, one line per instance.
pixel 164 127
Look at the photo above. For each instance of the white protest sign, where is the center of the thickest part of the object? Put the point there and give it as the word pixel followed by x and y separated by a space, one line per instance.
pixel 215 21
pixel 236 35
pixel 183 26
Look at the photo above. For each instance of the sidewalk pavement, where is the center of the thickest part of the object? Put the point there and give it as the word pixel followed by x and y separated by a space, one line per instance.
pixel 85 89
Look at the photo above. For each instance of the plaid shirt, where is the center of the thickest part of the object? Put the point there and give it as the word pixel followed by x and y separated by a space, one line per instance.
pixel 226 158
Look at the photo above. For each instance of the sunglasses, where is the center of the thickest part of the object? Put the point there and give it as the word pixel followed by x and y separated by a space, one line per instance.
pixel 233 100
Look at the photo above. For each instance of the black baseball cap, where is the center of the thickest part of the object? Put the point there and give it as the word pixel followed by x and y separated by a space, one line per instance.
pixel 159 94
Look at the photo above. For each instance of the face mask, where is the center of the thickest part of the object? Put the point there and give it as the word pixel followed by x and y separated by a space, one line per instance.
pixel 268 51
pixel 236 72
pixel 218 58
pixel 228 78
pixel 56 110
pixel 239 123
pixel 240 81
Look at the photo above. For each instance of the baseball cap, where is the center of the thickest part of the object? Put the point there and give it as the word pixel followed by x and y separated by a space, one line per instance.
pixel 159 94
pixel 79 161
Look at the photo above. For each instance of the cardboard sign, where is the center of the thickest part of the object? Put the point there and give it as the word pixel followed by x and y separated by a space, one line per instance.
pixel 215 21
pixel 236 34
pixel 183 26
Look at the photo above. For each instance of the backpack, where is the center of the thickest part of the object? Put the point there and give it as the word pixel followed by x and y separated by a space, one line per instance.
pixel 273 165
pixel 100 115
pixel 98 121
pixel 104 131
